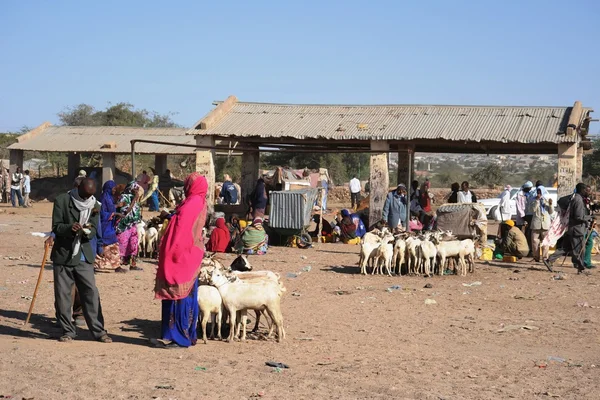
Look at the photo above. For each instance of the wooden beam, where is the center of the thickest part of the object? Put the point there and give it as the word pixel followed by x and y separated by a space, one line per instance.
pixel 34 132
pixel 574 119
pixel 215 115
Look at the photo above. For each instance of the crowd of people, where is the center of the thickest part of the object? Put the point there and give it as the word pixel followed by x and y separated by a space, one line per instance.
pixel 536 227
pixel 15 187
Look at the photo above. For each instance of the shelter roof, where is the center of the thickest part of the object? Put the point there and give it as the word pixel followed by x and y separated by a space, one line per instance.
pixel 503 124
pixel 103 139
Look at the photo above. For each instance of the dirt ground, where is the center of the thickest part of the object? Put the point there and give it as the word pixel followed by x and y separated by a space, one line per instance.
pixel 348 337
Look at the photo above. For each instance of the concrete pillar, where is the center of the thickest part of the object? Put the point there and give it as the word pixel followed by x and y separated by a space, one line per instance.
pixel 380 180
pixel 579 162
pixel 160 164
pixel 567 168
pixel 205 164
pixel 15 160
pixel 250 165
pixel 73 164
pixel 108 167
pixel 404 166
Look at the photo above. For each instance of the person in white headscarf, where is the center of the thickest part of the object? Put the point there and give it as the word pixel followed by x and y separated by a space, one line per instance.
pixel 504 205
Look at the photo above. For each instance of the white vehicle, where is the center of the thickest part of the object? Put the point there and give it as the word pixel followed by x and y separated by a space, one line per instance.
pixel 491 205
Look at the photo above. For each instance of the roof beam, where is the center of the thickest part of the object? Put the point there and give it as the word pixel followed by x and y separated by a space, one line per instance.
pixel 34 132
pixel 214 115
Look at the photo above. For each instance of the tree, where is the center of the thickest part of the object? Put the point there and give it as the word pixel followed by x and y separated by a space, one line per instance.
pixel 490 175
pixel 120 114
pixel 591 162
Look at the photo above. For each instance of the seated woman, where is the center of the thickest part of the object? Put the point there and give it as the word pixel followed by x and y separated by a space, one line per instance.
pixel 235 230
pixel 346 229
pixel 219 238
pixel 326 228
pixel 254 238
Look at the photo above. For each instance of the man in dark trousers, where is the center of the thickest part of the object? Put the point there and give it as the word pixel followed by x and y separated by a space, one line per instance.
pixel 74 222
pixel 579 222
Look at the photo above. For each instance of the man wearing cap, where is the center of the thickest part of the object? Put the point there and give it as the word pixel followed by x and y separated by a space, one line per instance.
pixel 394 209
pixel 513 240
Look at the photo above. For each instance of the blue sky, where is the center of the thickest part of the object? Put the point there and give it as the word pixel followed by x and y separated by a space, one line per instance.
pixel 180 56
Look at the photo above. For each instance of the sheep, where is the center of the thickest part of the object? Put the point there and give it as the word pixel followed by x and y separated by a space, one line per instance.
pixel 141 234
pixel 151 237
pixel 239 295
pixel 468 253
pixel 449 249
pixel 428 251
pixel 383 254
pixel 211 305
pixel 412 247
pixel 241 263
pixel 399 254
pixel 369 243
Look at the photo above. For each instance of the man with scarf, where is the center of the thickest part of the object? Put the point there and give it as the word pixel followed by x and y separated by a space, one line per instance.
pixel 74 223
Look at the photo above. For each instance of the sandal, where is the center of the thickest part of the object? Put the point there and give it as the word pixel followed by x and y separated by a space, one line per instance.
pixel 121 270
pixel 65 339
pixel 105 339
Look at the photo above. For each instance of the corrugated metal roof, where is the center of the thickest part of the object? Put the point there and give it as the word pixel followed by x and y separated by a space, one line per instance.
pixel 395 122
pixel 93 138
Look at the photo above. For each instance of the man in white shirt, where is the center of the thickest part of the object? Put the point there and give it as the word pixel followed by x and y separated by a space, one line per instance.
pixel 354 191
pixel 504 205
pixel 465 195
pixel 26 189
pixel 15 187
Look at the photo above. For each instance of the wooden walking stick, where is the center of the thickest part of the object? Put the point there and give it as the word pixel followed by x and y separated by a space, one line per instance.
pixel 37 285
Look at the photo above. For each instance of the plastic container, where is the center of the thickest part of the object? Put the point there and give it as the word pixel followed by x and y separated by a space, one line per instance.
pixel 510 259
pixel 486 254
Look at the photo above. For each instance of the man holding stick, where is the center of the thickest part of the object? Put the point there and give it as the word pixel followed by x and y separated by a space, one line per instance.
pixel 74 222
pixel 579 225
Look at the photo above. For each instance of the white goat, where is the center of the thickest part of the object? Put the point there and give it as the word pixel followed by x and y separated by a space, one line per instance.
pixel 468 254
pixel 428 254
pixel 448 249
pixel 141 234
pixel 211 305
pixel 412 247
pixel 151 241
pixel 239 295
pixel 369 243
pixel 383 254
pixel 399 254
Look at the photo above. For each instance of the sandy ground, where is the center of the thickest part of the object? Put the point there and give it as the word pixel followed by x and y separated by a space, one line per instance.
pixel 347 336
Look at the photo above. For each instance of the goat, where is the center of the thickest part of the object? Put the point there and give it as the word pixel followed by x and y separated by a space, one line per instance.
pixel 211 305
pixel 239 295
pixel 427 252
pixel 241 263
pixel 468 254
pixel 369 243
pixel 383 254
pixel 399 254
pixel 141 234
pixel 412 247
pixel 151 241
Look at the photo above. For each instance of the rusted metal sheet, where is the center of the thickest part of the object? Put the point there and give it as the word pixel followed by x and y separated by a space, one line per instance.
pixel 291 209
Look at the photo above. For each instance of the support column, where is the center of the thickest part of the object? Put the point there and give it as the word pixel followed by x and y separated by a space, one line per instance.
pixel 205 164
pixel 160 164
pixel 250 165
pixel 108 167
pixel 567 168
pixel 15 160
pixel 405 166
pixel 73 164
pixel 380 180
pixel 579 162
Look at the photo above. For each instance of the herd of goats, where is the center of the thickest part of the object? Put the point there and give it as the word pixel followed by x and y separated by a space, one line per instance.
pixel 420 254
pixel 231 292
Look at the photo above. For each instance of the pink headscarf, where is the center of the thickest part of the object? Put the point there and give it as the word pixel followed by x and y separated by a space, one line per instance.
pixel 182 246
